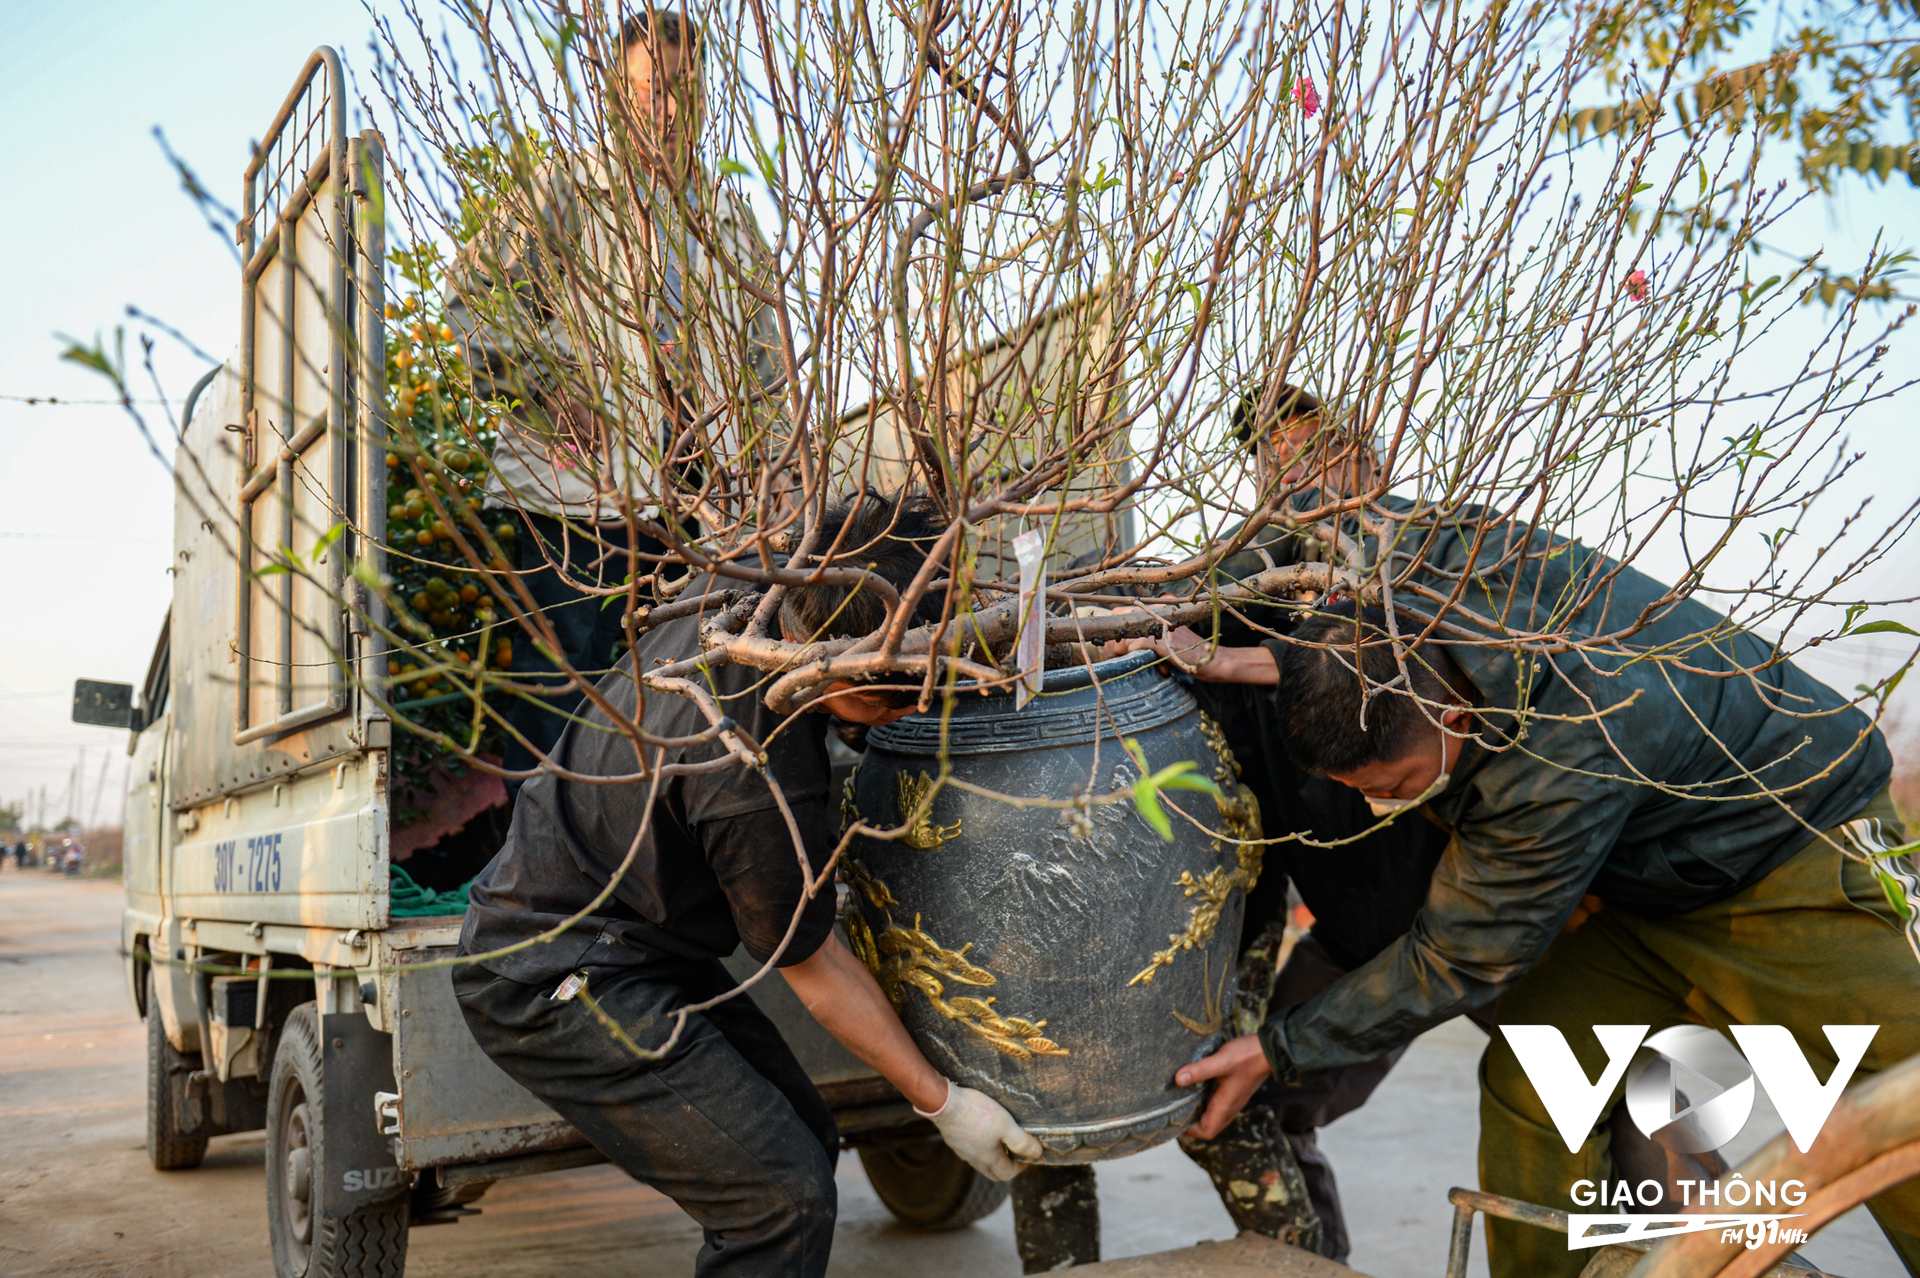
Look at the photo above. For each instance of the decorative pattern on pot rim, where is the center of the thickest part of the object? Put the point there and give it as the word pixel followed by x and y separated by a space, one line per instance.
pixel 1037 727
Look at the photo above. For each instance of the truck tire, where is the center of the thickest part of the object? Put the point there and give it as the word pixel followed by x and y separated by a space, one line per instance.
pixel 928 1186
pixel 307 1243
pixel 168 1147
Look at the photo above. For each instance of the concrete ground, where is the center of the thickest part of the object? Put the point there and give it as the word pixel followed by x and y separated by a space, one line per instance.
pixel 78 1199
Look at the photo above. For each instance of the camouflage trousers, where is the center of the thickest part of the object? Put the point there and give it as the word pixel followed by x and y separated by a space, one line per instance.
pixel 1266 1166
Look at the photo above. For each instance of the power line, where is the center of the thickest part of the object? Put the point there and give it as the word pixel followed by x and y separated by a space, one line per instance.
pixel 129 541
pixel 43 746
pixel 55 401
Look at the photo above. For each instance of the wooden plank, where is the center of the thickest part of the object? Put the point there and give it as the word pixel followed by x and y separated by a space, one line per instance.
pixel 1248 1256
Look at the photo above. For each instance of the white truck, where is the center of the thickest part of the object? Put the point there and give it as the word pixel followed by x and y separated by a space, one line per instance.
pixel 278 989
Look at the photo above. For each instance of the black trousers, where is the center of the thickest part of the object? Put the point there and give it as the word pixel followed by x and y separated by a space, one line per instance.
pixel 588 626
pixel 728 1125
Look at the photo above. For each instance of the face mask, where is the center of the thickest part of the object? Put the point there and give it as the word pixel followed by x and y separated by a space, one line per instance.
pixel 1393 807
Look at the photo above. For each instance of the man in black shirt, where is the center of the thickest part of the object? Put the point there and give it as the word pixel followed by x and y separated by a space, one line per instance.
pixel 716 1112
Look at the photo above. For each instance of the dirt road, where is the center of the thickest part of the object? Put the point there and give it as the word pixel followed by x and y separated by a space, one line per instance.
pixel 78 1198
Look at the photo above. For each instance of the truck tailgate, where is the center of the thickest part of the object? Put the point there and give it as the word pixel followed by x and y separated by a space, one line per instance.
pixel 456 1106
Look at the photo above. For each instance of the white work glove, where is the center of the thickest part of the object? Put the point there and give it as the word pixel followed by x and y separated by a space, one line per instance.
pixel 980 1130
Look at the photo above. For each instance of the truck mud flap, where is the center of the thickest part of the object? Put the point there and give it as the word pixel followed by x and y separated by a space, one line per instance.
pixel 209 1107
pixel 356 1060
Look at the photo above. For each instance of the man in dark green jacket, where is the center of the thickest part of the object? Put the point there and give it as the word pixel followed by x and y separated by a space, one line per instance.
pixel 1724 807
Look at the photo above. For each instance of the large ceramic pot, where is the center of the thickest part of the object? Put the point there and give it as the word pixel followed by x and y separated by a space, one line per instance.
pixel 1065 962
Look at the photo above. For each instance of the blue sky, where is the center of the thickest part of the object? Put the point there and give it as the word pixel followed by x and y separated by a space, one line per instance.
pixel 95 221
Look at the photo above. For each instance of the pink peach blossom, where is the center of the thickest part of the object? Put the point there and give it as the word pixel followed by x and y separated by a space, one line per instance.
pixel 1306 95
pixel 1637 286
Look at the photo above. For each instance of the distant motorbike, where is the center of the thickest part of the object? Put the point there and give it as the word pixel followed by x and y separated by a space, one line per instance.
pixel 74 860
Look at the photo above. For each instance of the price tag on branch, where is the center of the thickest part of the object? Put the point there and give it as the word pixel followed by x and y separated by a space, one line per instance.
pixel 1030 652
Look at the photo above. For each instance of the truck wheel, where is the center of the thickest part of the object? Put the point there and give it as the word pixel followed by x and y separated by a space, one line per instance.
pixel 168 1148
pixel 928 1186
pixel 308 1243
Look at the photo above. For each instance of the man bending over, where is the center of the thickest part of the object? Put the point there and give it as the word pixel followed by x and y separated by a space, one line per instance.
pixel 727 1124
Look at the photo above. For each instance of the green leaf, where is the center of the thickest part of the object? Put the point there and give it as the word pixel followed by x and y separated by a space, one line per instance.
pixel 95 357
pixel 1896 895
pixel 768 169
pixel 611 600
pixel 733 168
pixel 1184 775
pixel 369 576
pixel 1175 776
pixel 1884 627
pixel 327 539
pixel 1148 805
pixel 1885 688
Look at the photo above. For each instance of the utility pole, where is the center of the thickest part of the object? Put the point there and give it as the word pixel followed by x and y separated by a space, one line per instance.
pixel 100 790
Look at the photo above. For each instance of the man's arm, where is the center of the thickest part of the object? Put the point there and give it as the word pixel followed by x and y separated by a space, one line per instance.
pixel 1502 892
pixel 843 996
pixel 1505 888
pixel 1203 659
pixel 751 854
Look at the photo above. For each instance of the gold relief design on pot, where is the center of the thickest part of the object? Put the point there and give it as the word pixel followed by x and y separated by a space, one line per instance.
pixel 1213 890
pixel 1239 810
pixel 1215 1011
pixel 1239 813
pixel 901 957
pixel 1224 760
pixel 860 940
pixel 916 813
pixel 875 892
pixel 849 810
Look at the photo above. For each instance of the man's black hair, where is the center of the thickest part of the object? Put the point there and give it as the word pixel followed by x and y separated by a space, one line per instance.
pixel 673 28
pixel 1334 658
pixel 1250 426
pixel 888 536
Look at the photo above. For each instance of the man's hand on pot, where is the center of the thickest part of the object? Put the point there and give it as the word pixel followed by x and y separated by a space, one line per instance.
pixel 1238 1069
pixel 1200 658
pixel 980 1130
